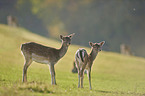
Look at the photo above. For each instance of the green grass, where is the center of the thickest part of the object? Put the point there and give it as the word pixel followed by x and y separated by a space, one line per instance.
pixel 112 73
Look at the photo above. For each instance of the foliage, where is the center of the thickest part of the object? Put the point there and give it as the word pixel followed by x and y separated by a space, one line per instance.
pixel 112 73
pixel 116 22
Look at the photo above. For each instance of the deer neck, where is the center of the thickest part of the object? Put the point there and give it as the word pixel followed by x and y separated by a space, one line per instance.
pixel 63 49
pixel 93 54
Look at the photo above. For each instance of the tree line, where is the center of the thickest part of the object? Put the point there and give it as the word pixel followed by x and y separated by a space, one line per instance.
pixel 115 21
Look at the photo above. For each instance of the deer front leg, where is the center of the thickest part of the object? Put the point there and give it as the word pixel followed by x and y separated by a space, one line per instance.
pixel 26 65
pixel 52 72
pixel 89 77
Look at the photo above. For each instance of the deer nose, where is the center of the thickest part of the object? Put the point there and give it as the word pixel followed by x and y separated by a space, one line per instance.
pixel 100 49
pixel 68 44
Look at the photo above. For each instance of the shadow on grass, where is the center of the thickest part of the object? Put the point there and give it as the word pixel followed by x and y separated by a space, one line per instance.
pixel 102 91
pixel 122 93
pixel 35 87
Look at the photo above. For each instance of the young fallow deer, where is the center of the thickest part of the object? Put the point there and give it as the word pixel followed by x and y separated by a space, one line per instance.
pixel 85 61
pixel 43 54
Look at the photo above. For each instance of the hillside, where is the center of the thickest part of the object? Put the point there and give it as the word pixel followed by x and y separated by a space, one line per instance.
pixel 117 22
pixel 112 73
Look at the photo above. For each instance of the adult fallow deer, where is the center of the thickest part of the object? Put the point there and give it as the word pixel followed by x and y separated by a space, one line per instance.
pixel 43 54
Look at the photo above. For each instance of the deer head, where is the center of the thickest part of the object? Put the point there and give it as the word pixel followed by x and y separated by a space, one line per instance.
pixel 66 39
pixel 97 46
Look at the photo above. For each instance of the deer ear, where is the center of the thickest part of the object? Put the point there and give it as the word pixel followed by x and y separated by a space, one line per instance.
pixel 90 43
pixel 102 43
pixel 61 37
pixel 71 35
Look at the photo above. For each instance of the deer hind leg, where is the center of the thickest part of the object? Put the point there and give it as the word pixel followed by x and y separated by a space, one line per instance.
pixel 82 72
pixel 78 69
pixel 28 62
pixel 78 78
pixel 52 72
pixel 89 77
pixel 82 77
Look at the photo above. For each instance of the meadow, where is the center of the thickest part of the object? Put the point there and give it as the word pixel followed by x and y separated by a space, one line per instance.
pixel 113 74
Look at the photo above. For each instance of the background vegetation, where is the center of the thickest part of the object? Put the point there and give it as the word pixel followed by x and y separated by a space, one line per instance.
pixel 115 21
pixel 112 73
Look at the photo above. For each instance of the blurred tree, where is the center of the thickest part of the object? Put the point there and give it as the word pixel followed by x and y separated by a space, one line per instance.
pixel 7 7
pixel 115 21
pixel 28 19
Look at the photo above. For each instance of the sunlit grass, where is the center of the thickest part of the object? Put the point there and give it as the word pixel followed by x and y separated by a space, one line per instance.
pixel 112 73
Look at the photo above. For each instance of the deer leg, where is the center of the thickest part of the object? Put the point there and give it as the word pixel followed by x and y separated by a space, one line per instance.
pixel 81 76
pixel 78 69
pixel 26 65
pixel 54 78
pixel 81 82
pixel 52 72
pixel 78 77
pixel 82 72
pixel 89 77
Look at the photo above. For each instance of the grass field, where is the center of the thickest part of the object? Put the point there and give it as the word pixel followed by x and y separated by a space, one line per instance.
pixel 112 74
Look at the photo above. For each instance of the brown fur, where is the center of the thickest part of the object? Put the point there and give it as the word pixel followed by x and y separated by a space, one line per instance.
pixel 88 62
pixel 43 54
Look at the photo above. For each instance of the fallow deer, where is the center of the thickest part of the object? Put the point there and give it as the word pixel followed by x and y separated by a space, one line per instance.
pixel 43 54
pixel 85 61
